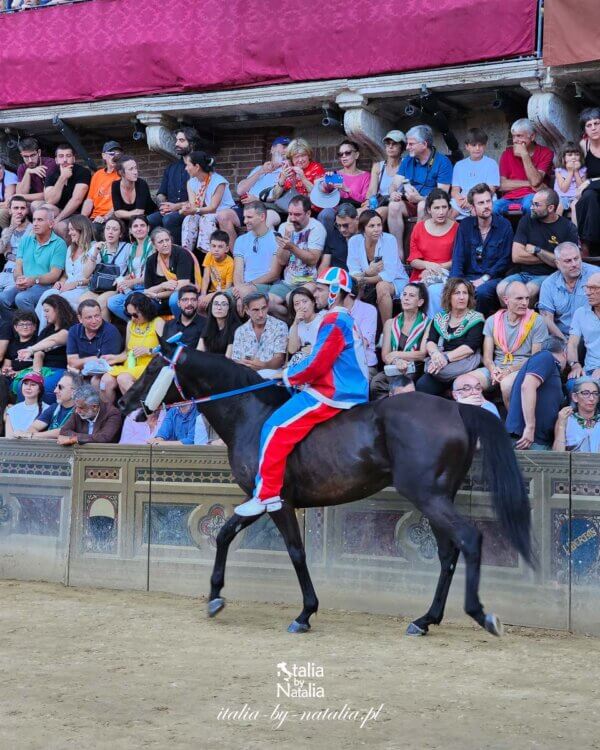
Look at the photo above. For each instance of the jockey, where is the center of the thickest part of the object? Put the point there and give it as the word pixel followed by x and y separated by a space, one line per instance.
pixel 333 377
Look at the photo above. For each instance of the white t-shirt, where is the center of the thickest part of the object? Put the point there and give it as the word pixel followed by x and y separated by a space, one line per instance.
pixel 468 173
pixel 312 237
pixel 23 415
pixel 257 253
pixel 10 178
pixel 387 248
pixel 307 332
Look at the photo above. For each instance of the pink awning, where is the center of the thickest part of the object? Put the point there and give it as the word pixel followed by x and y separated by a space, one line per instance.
pixel 116 48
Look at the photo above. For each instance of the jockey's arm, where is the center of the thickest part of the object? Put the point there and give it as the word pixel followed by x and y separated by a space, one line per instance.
pixel 328 347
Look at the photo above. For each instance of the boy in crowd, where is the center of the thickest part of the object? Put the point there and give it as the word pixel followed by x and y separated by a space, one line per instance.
pixel 218 268
pixel 477 168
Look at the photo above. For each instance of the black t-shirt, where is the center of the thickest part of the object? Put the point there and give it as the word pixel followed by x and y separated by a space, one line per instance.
pixel 80 176
pixel 180 263
pixel 14 346
pixel 221 341
pixel 143 198
pixel 337 247
pixel 55 358
pixel 472 338
pixel 191 332
pixel 547 236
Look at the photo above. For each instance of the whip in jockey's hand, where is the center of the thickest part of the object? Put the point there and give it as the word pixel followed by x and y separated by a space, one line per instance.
pixel 333 377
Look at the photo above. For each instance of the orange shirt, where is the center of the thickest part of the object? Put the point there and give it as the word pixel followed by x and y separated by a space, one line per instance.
pixel 100 192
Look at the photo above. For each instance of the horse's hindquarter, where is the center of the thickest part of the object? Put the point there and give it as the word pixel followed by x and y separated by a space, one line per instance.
pixel 341 460
pixel 428 443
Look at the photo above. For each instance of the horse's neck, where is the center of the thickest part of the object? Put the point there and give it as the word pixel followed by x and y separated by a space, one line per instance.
pixel 238 420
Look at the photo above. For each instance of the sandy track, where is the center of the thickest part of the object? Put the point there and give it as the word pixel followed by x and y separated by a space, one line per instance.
pixel 88 668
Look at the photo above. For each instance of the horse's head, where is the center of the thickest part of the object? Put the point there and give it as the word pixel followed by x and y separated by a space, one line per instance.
pixel 136 395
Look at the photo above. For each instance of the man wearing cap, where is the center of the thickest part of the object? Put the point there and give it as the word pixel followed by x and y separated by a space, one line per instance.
pixel 333 377
pixel 263 177
pixel 98 204
pixel 172 192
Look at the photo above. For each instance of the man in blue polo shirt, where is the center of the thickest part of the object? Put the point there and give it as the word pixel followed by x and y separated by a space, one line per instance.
pixel 39 264
pixel 563 291
pixel 92 338
pixel 536 397
pixel 421 171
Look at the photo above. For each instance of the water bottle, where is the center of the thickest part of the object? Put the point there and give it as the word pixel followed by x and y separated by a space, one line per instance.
pixel 130 360
pixel 373 202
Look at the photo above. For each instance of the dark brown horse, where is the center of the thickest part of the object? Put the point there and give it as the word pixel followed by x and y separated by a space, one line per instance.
pixel 422 445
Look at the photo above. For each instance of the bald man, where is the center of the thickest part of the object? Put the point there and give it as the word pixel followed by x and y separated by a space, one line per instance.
pixel 467 389
pixel 511 336
pixel 586 325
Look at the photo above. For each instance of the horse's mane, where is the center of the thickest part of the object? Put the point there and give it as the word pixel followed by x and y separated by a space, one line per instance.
pixel 234 375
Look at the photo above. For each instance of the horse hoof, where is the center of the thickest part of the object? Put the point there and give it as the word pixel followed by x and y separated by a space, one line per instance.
pixel 298 627
pixel 493 625
pixel 414 629
pixel 215 606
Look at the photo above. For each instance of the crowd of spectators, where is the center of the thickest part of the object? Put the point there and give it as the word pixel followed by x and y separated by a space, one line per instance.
pixel 496 303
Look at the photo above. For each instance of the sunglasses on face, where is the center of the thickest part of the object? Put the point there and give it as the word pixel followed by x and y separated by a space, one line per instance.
pixel 345 153
pixel 134 315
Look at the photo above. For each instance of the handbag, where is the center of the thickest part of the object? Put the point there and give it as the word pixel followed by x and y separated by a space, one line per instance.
pixel 453 369
pixel 283 202
pixel 106 274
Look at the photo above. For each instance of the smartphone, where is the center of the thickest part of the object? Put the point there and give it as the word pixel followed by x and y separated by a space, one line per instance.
pixel 277 234
pixel 377 258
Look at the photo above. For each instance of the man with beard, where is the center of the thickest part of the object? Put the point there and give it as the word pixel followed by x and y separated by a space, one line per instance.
pixel 537 237
pixel 172 193
pixel 189 323
pixel 482 248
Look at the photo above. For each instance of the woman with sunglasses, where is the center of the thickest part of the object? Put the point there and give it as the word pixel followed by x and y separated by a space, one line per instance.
pixel 354 186
pixel 578 426
pixel 133 278
pixel 141 338
pixel 221 324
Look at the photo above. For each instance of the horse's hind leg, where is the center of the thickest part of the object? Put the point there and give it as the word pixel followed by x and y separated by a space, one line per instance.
pixel 287 523
pixel 444 517
pixel 228 533
pixel 448 554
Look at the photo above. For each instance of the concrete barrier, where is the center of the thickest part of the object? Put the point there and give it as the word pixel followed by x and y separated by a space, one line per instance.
pixel 135 517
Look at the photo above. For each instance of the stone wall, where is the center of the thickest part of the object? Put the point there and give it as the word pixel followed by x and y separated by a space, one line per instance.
pixel 131 517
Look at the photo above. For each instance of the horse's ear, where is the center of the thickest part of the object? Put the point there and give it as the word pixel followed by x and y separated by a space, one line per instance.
pixel 165 347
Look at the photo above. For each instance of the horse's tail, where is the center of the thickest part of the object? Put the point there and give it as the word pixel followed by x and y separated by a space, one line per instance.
pixel 502 473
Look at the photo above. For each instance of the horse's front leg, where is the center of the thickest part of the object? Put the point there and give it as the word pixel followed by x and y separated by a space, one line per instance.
pixel 228 533
pixel 287 523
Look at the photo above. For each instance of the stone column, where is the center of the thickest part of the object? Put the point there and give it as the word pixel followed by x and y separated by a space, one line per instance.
pixel 362 125
pixel 553 116
pixel 159 133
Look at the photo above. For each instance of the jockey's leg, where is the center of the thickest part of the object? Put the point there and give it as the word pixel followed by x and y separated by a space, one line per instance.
pixel 280 433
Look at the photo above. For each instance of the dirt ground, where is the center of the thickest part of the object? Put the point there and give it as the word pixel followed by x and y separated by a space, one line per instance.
pixel 88 668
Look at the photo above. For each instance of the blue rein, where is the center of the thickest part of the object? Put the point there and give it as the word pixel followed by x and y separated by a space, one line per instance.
pixel 204 399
